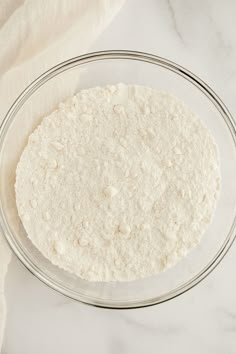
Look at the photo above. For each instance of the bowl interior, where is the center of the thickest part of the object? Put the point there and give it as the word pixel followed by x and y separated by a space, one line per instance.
pixel 96 70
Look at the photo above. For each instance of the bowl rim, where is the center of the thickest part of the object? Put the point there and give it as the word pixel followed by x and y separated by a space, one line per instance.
pixel 94 57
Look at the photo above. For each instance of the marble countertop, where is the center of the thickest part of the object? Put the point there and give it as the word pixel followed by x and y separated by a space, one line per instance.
pixel 200 35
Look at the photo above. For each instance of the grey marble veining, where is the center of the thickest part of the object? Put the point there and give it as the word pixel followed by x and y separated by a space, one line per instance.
pixel 200 35
pixel 174 20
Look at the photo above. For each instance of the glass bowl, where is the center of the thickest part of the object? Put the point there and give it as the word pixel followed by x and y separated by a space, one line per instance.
pixel 102 68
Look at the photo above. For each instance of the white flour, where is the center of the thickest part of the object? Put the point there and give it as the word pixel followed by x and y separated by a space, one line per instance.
pixel 119 183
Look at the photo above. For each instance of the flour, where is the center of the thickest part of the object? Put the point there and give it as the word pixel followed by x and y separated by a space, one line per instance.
pixel 119 183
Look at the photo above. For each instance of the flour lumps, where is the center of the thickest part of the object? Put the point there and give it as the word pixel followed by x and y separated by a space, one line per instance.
pixel 119 183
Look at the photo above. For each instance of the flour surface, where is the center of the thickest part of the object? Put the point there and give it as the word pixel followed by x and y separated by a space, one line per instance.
pixel 118 183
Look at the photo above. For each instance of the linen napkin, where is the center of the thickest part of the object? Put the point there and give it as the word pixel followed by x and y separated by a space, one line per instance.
pixel 5 256
pixel 34 36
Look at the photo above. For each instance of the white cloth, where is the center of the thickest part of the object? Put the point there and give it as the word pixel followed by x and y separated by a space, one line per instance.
pixel 34 36
pixel 5 256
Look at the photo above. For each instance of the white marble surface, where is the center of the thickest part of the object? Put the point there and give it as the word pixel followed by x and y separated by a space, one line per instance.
pixel 200 35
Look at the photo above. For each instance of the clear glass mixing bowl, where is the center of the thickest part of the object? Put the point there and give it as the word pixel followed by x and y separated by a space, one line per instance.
pixel 101 68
